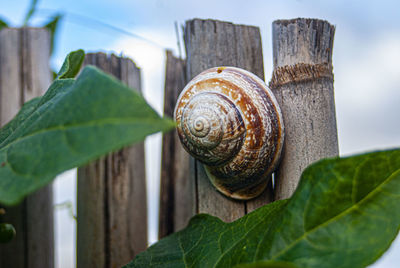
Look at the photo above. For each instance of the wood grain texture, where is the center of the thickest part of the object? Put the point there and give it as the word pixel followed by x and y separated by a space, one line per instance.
pixel 176 189
pixel 112 210
pixel 212 43
pixel 303 48
pixel 25 74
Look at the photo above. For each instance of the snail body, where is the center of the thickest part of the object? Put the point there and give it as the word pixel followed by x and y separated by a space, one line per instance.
pixel 228 119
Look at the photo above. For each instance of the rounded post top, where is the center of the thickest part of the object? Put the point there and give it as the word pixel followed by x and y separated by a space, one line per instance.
pixel 302 41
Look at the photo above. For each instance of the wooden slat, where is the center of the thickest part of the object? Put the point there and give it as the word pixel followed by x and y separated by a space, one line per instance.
pixel 10 71
pixel 112 210
pixel 25 74
pixel 90 218
pixel 303 48
pixel 176 190
pixel 212 43
pixel 40 204
pixel 11 95
pixel 137 233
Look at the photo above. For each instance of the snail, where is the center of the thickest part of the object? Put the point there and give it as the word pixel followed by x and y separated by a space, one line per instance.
pixel 229 120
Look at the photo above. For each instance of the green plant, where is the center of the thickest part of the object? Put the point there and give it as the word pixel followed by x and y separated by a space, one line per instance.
pixel 74 122
pixel 344 213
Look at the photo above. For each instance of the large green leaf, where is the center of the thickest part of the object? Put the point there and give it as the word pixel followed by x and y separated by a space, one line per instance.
pixel 344 213
pixel 73 123
pixel 69 69
pixel 207 240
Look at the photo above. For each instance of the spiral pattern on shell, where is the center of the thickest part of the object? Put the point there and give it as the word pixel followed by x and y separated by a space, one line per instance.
pixel 229 120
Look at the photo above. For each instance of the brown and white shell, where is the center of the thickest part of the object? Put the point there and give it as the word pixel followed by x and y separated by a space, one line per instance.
pixel 229 120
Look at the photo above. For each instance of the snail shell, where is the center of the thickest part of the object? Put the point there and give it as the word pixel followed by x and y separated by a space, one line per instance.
pixel 229 120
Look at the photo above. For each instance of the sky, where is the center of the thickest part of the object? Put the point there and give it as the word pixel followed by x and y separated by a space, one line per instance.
pixel 365 59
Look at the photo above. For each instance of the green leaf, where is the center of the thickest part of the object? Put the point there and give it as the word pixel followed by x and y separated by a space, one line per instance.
pixel 53 74
pixel 31 11
pixel 208 240
pixel 52 26
pixel 25 111
pixel 267 264
pixel 344 213
pixel 3 24
pixel 70 68
pixel 80 121
pixel 72 64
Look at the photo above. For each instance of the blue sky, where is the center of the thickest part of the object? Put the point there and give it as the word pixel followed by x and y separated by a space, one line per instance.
pixel 365 57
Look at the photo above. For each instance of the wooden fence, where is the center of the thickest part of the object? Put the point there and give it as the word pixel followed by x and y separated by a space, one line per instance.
pixel 24 74
pixel 176 189
pixel 302 82
pixel 112 211
pixel 112 218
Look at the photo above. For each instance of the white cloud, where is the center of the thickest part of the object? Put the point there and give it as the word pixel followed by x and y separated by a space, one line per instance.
pixel 370 68
pixel 367 80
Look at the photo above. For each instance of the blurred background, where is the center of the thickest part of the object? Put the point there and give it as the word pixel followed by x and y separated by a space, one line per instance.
pixel 366 60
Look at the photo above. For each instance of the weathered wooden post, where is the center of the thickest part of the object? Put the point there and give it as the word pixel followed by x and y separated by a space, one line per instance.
pixel 176 190
pixel 112 216
pixel 212 43
pixel 302 82
pixel 25 74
